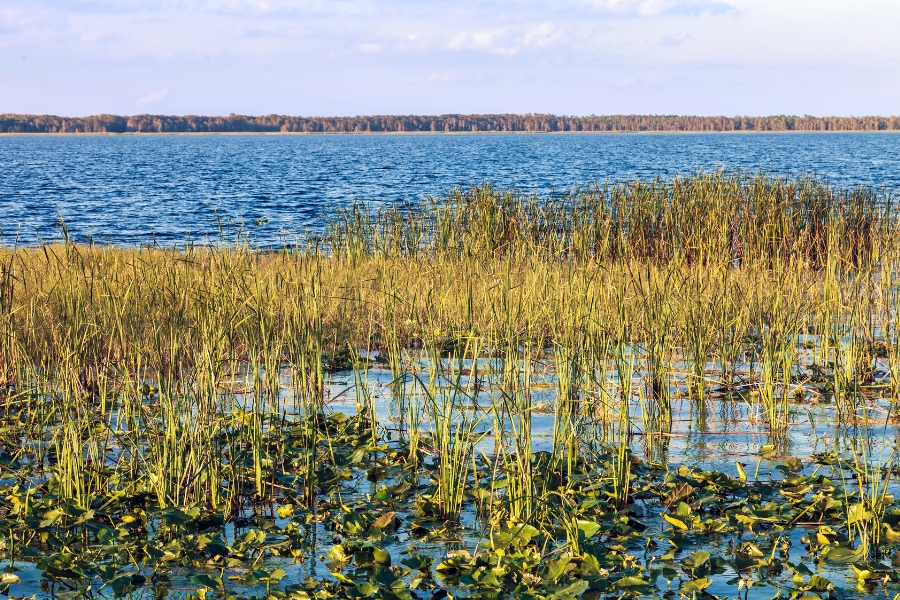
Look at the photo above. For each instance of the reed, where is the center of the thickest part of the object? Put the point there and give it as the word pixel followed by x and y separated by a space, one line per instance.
pixel 200 377
pixel 451 394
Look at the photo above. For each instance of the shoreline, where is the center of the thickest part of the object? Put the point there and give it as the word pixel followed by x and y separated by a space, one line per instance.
pixel 396 133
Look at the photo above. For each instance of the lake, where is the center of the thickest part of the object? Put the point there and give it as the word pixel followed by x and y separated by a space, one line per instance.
pixel 132 189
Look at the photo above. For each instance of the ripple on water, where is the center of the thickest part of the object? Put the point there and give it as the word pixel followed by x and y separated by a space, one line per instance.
pixel 133 189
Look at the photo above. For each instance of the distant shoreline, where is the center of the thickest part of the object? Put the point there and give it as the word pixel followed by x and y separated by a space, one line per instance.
pixel 424 133
pixel 453 124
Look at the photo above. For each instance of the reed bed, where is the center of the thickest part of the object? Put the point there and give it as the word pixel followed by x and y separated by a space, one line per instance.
pixel 152 397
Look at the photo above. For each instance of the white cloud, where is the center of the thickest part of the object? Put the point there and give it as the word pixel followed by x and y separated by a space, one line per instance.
pixel 247 32
pixel 10 18
pixel 506 40
pixel 479 40
pixel 545 34
pixel 97 37
pixel 674 39
pixel 654 8
pixel 371 47
pixel 441 77
pixel 263 8
pixel 152 97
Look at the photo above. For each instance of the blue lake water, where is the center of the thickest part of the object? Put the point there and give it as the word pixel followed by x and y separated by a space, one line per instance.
pixel 136 189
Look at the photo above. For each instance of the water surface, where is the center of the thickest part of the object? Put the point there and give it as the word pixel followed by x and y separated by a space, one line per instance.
pixel 172 188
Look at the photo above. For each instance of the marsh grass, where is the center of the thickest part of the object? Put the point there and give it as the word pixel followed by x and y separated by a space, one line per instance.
pixel 197 377
pixel 690 276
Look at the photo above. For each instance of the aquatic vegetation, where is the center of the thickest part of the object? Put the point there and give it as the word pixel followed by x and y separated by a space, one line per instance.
pixel 485 397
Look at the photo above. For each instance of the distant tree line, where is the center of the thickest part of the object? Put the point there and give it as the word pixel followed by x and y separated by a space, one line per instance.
pixel 12 123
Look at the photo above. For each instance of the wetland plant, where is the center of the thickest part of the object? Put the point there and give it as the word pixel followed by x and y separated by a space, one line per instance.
pixel 169 415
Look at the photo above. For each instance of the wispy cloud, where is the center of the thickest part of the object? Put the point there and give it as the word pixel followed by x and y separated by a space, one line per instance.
pixel 441 77
pixel 479 39
pixel 97 37
pixel 654 8
pixel 674 39
pixel 545 34
pixel 11 18
pixel 371 47
pixel 152 97
pixel 507 40
pixel 246 32
pixel 36 21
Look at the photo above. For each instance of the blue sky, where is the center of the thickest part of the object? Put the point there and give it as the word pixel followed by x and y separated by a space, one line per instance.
pixel 348 57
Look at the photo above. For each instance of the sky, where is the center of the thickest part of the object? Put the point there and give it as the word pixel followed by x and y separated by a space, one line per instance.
pixel 362 57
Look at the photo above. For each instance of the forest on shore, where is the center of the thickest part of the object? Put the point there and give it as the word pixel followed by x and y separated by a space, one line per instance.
pixel 16 123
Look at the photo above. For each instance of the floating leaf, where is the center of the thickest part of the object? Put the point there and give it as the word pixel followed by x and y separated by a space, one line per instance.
pixel 381 556
pixel 790 466
pixel 588 528
pixel 206 581
pixel 343 578
pixel 679 493
pixel 767 450
pixel 632 582
pixel 842 556
pixel 818 584
pixel 695 586
pixel 337 554
pixel 696 560
pixel 675 522
pixel 554 569
pixel 50 517
pixel 384 520
pixel 566 591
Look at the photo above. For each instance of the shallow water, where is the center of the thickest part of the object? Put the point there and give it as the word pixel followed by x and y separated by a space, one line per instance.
pixel 731 432
pixel 137 189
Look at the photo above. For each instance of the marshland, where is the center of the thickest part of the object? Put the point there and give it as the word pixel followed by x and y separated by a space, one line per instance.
pixel 656 388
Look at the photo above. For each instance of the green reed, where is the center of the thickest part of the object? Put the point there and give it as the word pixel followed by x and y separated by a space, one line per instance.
pixel 193 365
